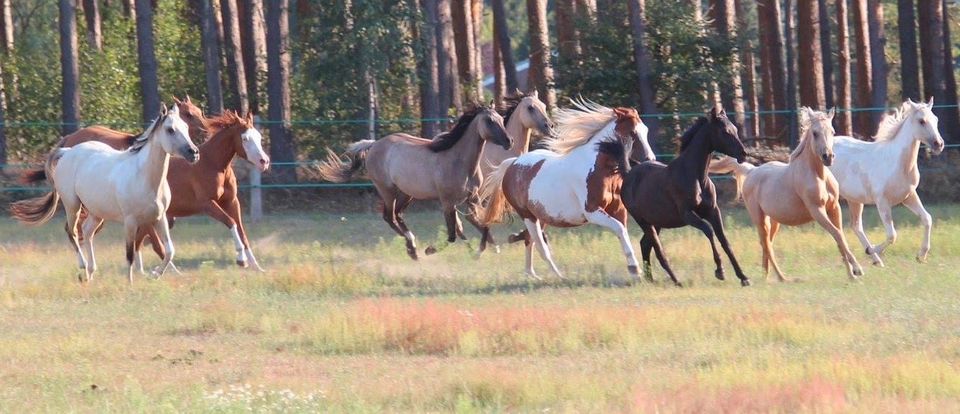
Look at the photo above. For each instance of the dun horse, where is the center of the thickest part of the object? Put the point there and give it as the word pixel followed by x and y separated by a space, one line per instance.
pixel 681 194
pixel 796 193
pixel 405 168
pixel 885 172
pixel 576 181
pixel 126 186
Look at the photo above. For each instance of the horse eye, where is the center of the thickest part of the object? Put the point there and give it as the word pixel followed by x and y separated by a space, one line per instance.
pixel 169 130
pixel 530 109
pixel 923 122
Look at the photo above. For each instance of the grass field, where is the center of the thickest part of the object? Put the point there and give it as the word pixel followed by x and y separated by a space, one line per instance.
pixel 343 321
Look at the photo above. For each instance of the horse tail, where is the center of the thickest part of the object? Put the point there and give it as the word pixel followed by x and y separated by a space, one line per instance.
pixel 39 210
pixel 728 165
pixel 493 204
pixel 336 170
pixel 32 176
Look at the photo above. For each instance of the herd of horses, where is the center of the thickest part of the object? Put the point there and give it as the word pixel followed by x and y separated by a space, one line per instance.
pixel 594 165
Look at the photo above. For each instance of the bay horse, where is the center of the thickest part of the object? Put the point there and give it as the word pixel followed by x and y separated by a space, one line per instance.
pixel 795 193
pixel 405 168
pixel 127 186
pixel 884 172
pixel 573 182
pixel 681 194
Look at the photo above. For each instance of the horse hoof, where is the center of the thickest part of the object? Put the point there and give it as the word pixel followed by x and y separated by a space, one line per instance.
pixel 745 282
pixel 719 274
pixel 496 249
pixel 634 271
pixel 922 259
pixel 678 284
pixel 513 238
pixel 413 254
pixel 878 263
pixel 649 278
pixel 242 264
pixel 429 250
pixel 858 272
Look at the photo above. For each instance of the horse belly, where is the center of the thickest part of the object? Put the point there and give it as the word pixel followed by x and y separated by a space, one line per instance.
pixel 787 208
pixel 557 205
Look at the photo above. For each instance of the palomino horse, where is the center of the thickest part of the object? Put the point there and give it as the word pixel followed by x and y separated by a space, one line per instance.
pixel 796 193
pixel 126 186
pixel 681 194
pixel 522 115
pixel 576 181
pixel 885 172
pixel 405 168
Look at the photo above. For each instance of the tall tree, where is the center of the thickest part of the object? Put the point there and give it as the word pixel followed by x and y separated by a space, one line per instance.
pixel 826 52
pixel 952 116
pixel 211 56
pixel 69 69
pixel 502 34
pixel 791 73
pixel 909 62
pixel 448 81
pixel 147 61
pixel 844 118
pixel 234 50
pixel 91 12
pixel 462 13
pixel 812 93
pixel 645 77
pixel 429 74
pixel 724 16
pixel 540 72
pixel 863 120
pixel 878 42
pixel 6 25
pixel 129 9
pixel 254 43
pixel 477 25
pixel 499 83
pixel 282 147
pixel 748 72
pixel 3 128
pixel 568 41
pixel 772 66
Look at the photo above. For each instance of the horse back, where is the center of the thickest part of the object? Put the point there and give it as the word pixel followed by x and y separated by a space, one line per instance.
pixel 115 139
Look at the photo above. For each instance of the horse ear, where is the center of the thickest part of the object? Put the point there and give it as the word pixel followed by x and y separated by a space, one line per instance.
pixel 535 94
pixel 163 109
pixel 188 100
pixel 832 112
pixel 175 100
pixel 804 115
pixel 930 103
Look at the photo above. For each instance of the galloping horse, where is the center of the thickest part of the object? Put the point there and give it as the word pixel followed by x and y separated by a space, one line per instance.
pixel 576 181
pixel 885 172
pixel 403 168
pixel 681 194
pixel 796 193
pixel 127 186
pixel 522 115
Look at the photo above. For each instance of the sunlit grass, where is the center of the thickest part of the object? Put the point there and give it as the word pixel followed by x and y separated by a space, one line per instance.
pixel 344 321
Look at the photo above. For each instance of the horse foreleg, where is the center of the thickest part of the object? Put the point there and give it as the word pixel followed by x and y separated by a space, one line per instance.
pixel 212 209
pixel 661 257
pixel 233 210
pixel 533 228
pixel 130 230
pixel 395 223
pixel 856 221
pixel 646 246
pixel 916 206
pixel 825 216
pixel 601 218
pixel 692 219
pixel 716 221
pixel 73 213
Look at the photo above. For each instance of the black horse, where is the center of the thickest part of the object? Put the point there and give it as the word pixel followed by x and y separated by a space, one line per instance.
pixel 681 194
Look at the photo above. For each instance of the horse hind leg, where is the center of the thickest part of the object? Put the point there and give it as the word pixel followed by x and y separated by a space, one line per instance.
pixel 856 222
pixel 646 246
pixel 395 221
pixel 89 228
pixel 533 227
pixel 528 247
pixel 716 221
pixel 886 216
pixel 691 218
pixel 73 213
pixel 826 217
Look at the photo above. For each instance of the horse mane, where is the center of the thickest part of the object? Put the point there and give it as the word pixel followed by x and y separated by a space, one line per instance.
pixel 805 123
pixel 615 149
pixel 144 138
pixel 691 132
pixel 447 140
pixel 227 119
pixel 510 104
pixel 577 125
pixel 892 122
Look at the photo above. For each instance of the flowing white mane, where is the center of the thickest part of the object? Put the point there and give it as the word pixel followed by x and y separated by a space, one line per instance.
pixel 576 125
pixel 142 140
pixel 891 123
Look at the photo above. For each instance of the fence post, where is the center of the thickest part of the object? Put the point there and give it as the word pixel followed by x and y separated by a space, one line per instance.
pixel 256 196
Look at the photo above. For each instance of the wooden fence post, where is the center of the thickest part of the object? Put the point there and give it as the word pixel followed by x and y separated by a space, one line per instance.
pixel 256 193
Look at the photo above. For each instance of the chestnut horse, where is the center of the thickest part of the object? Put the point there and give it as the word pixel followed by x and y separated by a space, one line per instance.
pixel 576 181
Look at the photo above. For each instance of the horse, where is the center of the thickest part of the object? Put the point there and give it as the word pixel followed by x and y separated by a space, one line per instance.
pixel 884 172
pixel 404 168
pixel 127 186
pixel 681 194
pixel 795 193
pixel 522 115
pixel 575 181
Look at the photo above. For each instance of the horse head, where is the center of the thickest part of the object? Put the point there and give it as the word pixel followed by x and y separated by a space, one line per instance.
pixel 724 135
pixel 631 131
pixel 250 143
pixel 925 125
pixel 819 130
pixel 490 127
pixel 174 135
pixel 533 114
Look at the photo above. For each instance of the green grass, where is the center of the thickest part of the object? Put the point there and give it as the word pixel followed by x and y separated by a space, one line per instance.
pixel 343 321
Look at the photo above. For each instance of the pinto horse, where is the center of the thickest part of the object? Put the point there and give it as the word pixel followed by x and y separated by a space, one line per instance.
pixel 404 168
pixel 127 186
pixel 680 193
pixel 574 182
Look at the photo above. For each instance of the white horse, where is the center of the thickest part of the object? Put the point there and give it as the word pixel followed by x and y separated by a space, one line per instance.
pixel 126 186
pixel 885 172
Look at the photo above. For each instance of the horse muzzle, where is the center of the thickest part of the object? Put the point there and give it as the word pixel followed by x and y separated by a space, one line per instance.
pixel 192 155
pixel 827 159
pixel 937 147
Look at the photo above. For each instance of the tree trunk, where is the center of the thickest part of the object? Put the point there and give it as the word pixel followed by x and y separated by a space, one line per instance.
pixel 129 9
pixel 951 114
pixel 808 43
pixel 540 72
pixel 909 63
pixel 826 53
pixel 282 148
pixel 254 43
pixel 499 83
pixel 863 120
pixel 567 38
pixel 878 42
pixel 772 66
pixel 91 13
pixel 211 57
pixel 147 61
pixel 791 74
pixel 429 74
pixel 462 13
pixel 645 78
pixel 69 69
pixel 3 127
pixel 6 25
pixel 502 34
pixel 477 25
pixel 236 74
pixel 751 126
pixel 447 80
pixel 844 118
pixel 724 16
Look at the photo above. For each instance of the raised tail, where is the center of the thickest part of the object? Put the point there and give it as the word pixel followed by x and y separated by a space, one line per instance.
pixel 493 204
pixel 39 210
pixel 334 169
pixel 32 176
pixel 728 165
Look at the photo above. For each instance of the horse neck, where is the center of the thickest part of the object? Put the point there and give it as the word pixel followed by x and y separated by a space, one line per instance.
pixel 469 149
pixel 516 130
pixel 219 150
pixel 153 163
pixel 905 148
pixel 696 156
pixel 809 160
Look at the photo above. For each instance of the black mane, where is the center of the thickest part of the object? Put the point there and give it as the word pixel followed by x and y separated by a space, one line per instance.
pixel 615 149
pixel 447 140
pixel 687 137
